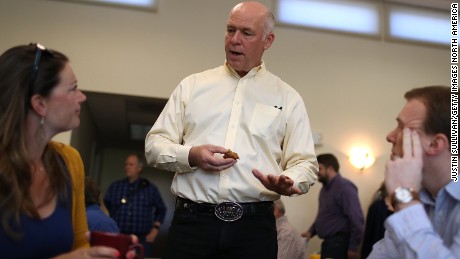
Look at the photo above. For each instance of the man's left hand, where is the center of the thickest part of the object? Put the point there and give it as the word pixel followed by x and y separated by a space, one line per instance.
pixel 150 237
pixel 280 184
pixel 352 255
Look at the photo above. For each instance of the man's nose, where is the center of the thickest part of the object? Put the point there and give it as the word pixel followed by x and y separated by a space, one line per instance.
pixel 236 37
pixel 391 136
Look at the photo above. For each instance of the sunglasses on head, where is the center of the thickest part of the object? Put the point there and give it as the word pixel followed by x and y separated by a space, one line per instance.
pixel 38 55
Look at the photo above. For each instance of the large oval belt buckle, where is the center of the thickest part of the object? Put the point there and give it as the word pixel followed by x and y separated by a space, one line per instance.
pixel 228 211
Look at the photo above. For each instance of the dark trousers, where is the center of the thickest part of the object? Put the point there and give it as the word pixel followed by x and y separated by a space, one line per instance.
pixel 335 247
pixel 204 236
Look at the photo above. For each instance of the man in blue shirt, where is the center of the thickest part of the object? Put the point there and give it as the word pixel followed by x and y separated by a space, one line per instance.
pixel 136 204
pixel 421 181
pixel 340 220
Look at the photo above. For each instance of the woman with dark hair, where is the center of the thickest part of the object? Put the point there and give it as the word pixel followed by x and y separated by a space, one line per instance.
pixel 98 220
pixel 379 210
pixel 42 208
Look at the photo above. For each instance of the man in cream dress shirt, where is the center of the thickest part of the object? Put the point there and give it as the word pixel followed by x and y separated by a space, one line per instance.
pixel 225 206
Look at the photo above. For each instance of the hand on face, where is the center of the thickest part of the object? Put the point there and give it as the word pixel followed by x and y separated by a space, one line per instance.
pixel 280 184
pixel 406 171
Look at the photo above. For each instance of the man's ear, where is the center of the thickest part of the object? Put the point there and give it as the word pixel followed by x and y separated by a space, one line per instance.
pixel 438 143
pixel 269 40
pixel 38 104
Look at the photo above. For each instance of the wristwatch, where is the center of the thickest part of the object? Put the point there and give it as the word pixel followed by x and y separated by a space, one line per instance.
pixel 403 195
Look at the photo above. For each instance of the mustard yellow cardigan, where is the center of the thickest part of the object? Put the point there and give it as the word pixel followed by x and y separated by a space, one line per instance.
pixel 76 170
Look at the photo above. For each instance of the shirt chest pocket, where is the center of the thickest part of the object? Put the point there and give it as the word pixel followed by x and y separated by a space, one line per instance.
pixel 265 120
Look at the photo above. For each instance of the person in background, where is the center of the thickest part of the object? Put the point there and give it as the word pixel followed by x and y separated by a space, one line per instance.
pixel 222 209
pixel 339 221
pixel 374 229
pixel 97 219
pixel 136 204
pixel 424 191
pixel 42 207
pixel 290 244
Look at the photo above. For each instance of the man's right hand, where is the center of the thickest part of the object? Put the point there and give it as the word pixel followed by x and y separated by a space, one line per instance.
pixel 203 157
pixel 307 235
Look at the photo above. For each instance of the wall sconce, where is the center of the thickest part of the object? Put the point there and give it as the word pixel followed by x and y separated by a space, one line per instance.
pixel 361 158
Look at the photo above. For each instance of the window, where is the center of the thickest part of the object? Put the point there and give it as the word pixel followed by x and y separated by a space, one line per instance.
pixel 364 17
pixel 147 5
pixel 354 17
pixel 409 23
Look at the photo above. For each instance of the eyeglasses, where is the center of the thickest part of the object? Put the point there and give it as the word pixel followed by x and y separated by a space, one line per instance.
pixel 35 66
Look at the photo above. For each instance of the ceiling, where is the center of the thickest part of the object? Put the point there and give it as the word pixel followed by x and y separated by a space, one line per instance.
pixel 120 121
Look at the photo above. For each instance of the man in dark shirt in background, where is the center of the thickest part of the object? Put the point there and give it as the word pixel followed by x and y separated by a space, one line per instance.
pixel 340 220
pixel 136 204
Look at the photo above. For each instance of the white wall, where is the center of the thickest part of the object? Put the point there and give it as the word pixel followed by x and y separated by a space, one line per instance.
pixel 352 86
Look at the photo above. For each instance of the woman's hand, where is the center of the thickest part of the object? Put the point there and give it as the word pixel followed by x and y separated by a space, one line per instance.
pixel 99 251
pixel 93 252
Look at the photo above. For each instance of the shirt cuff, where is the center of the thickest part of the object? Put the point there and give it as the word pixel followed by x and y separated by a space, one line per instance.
pixel 406 222
pixel 304 186
pixel 182 156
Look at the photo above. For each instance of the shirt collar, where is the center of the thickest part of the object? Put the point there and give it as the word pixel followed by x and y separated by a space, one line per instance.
pixel 133 183
pixel 254 72
pixel 452 188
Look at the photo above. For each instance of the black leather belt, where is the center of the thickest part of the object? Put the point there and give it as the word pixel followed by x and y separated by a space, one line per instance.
pixel 227 211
